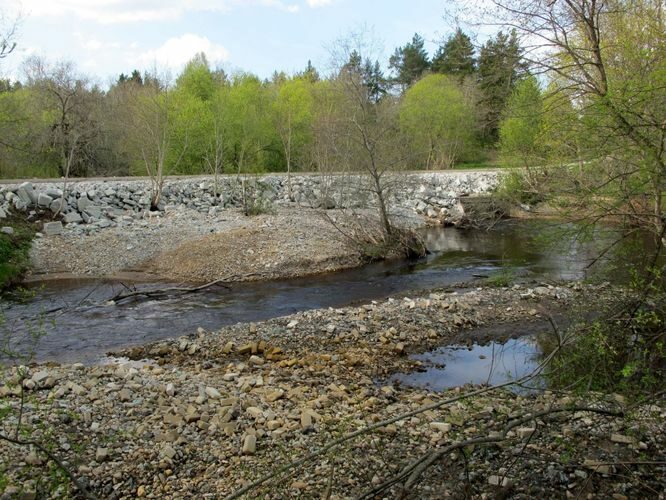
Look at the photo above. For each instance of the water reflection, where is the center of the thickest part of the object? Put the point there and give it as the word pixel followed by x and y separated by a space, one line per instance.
pixel 493 363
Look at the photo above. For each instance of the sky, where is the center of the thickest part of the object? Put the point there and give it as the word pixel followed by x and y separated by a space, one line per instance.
pixel 106 37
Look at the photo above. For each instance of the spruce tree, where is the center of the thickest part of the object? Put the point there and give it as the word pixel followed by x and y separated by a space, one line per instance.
pixel 499 69
pixel 456 56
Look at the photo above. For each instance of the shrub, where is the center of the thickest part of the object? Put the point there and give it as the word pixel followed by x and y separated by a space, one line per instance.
pixel 14 251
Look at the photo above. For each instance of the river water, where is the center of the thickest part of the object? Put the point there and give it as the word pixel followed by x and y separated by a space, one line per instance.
pixel 86 329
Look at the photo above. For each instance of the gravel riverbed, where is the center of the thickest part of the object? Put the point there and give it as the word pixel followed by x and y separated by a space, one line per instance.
pixel 185 245
pixel 205 414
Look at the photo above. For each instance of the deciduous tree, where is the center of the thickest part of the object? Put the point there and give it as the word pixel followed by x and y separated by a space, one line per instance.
pixel 521 130
pixel 439 120
pixel 292 118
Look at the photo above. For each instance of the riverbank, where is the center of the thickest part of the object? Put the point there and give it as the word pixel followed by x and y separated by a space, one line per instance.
pixel 212 411
pixel 185 245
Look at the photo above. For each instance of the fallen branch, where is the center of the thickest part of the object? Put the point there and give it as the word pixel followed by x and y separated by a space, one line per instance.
pixel 429 459
pixel 164 292
pixel 77 482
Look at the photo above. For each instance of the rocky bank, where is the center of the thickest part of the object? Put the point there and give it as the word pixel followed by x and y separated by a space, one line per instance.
pixel 105 228
pixel 98 204
pixel 205 414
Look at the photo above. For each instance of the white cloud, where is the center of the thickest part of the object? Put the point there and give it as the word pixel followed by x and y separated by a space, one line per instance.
pixel 175 52
pixel 130 11
pixel 318 3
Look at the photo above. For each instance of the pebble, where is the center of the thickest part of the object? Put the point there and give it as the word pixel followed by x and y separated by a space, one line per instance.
pixel 101 454
pixel 249 445
pixel 440 426
pixel 192 442
pixel 213 393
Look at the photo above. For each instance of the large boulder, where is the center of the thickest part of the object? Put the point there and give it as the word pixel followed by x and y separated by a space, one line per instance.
pixel 52 228
pixel 72 218
pixel 44 200
pixel 83 202
pixel 58 206
pixel 26 192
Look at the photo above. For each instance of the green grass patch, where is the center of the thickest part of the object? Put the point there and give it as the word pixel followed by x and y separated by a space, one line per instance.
pixel 14 250
pixel 483 165
pixel 503 277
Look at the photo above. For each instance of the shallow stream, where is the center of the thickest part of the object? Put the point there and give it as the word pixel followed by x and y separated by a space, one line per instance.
pixel 86 329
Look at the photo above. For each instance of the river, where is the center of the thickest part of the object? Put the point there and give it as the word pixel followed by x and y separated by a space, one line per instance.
pixel 87 328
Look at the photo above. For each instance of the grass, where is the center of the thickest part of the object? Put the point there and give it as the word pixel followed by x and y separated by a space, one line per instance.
pixel 14 250
pixel 475 166
pixel 503 277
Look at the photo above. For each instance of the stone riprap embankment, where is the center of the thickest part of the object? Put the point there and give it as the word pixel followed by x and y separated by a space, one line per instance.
pixel 105 228
pixel 98 204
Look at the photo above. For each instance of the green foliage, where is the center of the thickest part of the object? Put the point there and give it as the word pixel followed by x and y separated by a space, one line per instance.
pixel 249 122
pixel 310 73
pixel 521 129
pixel 197 79
pixel 367 74
pixel 503 277
pixel 410 62
pixel 191 127
pixel 522 186
pixel 499 68
pixel 609 357
pixel 14 249
pixel 292 113
pixel 439 120
pixel 624 350
pixel 456 56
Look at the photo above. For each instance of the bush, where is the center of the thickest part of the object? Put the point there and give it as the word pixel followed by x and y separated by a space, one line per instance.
pixel 622 351
pixel 522 186
pixel 14 251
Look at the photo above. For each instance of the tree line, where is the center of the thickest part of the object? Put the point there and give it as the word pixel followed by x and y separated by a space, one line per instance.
pixel 441 111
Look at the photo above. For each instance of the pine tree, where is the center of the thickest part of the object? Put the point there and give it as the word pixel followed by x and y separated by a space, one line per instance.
pixel 410 62
pixel 370 74
pixel 310 73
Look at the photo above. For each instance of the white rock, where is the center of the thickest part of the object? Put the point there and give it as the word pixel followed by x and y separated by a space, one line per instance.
pixel 440 426
pixel 213 393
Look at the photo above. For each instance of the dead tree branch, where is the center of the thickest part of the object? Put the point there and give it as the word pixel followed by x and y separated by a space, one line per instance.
pixel 415 469
pixel 161 293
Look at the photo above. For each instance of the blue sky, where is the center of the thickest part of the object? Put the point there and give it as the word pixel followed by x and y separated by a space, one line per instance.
pixel 106 37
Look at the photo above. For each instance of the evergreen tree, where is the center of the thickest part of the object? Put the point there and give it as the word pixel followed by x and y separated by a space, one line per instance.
pixel 410 62
pixel 369 73
pixel 500 68
pixel 456 56
pixel 374 80
pixel 136 77
pixel 310 73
